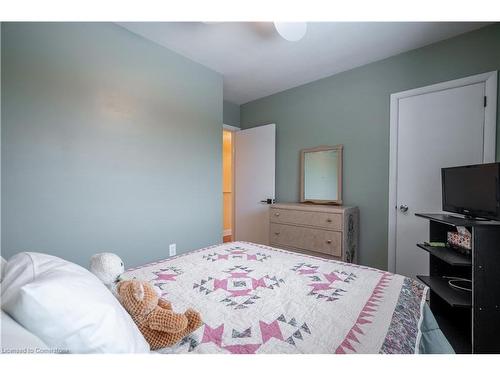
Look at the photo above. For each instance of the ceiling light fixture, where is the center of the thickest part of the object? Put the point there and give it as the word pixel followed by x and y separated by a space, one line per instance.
pixel 291 31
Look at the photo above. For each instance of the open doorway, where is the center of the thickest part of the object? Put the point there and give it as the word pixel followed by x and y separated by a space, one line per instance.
pixel 228 182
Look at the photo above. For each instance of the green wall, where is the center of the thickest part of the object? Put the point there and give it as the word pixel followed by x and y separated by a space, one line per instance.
pixel 109 143
pixel 231 114
pixel 352 108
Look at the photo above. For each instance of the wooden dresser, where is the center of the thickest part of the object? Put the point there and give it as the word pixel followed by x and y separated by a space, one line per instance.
pixel 321 230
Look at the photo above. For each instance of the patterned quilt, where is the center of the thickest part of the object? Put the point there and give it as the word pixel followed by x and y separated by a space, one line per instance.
pixel 259 299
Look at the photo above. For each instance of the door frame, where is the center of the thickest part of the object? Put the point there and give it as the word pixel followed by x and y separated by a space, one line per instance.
pixel 489 134
pixel 232 129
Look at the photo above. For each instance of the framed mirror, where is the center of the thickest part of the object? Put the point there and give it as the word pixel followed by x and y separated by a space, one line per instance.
pixel 321 175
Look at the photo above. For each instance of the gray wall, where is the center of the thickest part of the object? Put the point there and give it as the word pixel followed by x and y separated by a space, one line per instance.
pixel 353 108
pixel 231 114
pixel 109 143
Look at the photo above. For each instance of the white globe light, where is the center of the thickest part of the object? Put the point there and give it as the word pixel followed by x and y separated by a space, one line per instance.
pixel 292 31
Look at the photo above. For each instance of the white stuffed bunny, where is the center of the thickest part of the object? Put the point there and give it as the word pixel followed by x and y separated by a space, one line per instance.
pixel 107 267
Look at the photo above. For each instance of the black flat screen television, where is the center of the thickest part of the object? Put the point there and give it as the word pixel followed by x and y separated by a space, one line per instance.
pixel 472 190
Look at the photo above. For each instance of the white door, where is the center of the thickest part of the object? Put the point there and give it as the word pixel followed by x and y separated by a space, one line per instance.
pixel 437 129
pixel 254 180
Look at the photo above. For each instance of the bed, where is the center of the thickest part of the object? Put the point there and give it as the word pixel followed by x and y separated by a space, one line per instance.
pixel 259 299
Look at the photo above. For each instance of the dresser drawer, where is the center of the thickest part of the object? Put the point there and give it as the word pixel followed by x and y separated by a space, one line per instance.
pixel 315 219
pixel 317 240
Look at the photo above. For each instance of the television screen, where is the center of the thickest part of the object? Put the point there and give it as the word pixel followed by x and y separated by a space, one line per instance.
pixel 472 190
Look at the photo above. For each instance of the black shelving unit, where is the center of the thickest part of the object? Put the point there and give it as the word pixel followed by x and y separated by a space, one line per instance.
pixel 470 320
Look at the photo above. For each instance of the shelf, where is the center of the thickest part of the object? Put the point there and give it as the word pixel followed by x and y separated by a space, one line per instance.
pixel 456 331
pixel 448 255
pixel 457 221
pixel 454 297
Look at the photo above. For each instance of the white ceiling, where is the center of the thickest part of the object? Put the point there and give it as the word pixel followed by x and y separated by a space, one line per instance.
pixel 255 61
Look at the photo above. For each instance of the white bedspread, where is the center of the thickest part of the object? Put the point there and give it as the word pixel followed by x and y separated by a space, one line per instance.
pixel 258 299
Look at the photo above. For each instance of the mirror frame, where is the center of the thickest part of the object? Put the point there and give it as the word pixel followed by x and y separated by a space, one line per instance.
pixel 340 151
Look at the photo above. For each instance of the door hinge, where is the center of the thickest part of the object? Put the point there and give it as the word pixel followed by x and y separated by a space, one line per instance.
pixel 485 101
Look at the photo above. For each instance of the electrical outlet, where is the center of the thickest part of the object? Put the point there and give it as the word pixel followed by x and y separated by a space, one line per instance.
pixel 172 249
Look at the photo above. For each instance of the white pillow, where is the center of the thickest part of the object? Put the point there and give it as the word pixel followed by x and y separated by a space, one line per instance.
pixel 3 262
pixel 18 340
pixel 67 306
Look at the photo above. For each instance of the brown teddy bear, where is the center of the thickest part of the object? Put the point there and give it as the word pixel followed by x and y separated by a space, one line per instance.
pixel 160 326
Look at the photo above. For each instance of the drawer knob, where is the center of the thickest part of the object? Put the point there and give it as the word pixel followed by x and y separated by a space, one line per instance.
pixel 328 220
pixel 328 241
pixel 277 233
pixel 276 214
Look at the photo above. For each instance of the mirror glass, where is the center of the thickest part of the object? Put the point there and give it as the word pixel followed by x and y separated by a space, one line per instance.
pixel 321 171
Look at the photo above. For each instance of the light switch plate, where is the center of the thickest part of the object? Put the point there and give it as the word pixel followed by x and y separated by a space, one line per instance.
pixel 172 249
